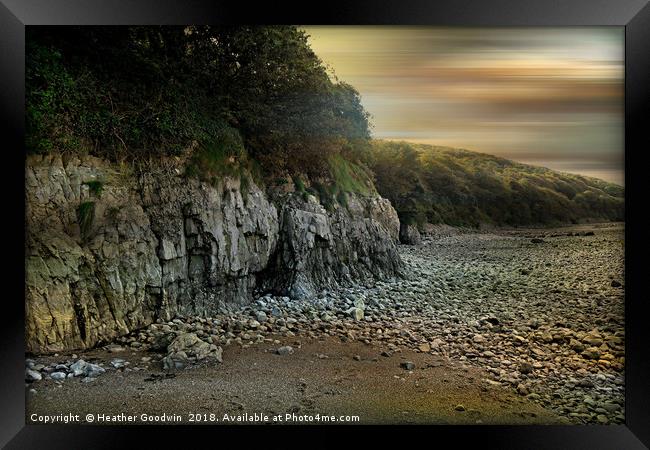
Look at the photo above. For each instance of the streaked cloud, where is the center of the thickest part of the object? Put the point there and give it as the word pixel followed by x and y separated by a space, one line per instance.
pixel 538 95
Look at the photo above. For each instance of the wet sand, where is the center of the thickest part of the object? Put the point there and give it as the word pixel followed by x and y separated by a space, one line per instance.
pixel 320 377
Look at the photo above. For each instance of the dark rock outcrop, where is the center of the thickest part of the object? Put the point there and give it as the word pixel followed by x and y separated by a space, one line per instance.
pixel 409 234
pixel 317 249
pixel 109 250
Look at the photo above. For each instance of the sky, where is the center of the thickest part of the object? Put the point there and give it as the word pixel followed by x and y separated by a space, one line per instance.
pixel 545 96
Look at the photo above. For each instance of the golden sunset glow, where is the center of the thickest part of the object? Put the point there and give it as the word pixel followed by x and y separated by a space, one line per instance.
pixel 547 96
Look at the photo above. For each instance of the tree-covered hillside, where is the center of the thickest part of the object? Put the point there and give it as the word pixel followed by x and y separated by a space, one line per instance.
pixel 459 187
pixel 242 97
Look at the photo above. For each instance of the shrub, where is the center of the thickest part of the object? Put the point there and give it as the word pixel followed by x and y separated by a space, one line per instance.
pixel 130 92
pixel 85 217
pixel 298 184
pixel 350 177
pixel 96 187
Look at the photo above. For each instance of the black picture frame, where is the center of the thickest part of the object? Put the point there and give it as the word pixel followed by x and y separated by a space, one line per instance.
pixel 634 15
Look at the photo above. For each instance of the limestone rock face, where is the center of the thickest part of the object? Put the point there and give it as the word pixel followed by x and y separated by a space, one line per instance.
pixel 84 289
pixel 212 240
pixel 319 248
pixel 110 250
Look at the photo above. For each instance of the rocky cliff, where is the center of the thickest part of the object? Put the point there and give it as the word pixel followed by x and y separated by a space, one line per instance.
pixel 110 249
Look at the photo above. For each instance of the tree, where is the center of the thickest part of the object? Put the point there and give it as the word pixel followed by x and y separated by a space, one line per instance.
pixel 136 91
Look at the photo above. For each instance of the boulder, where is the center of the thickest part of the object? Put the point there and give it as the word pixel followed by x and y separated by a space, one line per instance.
pixel 78 368
pixel 191 345
pixel 174 360
pixel 32 375
pixel 285 350
pixel 93 370
pixel 356 313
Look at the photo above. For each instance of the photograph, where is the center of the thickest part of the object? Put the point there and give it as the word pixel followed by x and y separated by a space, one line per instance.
pixel 324 224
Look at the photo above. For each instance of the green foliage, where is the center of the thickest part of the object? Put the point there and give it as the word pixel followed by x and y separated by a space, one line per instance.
pixel 326 193
pixel 302 189
pixel 51 93
pixel 78 103
pixel 223 156
pixel 96 187
pixel 298 183
pixel 459 187
pixel 136 91
pixel 85 217
pixel 350 177
pixel 344 177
